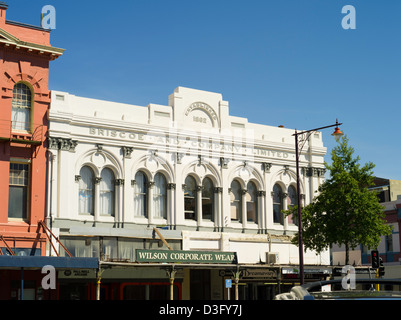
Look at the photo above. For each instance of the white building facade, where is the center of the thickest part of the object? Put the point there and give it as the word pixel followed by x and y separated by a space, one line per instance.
pixel 207 180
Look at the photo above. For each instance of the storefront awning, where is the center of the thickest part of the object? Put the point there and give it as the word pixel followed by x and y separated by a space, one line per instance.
pixel 38 262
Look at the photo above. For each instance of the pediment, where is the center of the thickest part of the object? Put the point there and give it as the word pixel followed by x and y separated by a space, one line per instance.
pixel 9 37
pixel 10 40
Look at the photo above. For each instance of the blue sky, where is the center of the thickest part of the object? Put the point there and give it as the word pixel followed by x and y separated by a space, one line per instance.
pixel 286 62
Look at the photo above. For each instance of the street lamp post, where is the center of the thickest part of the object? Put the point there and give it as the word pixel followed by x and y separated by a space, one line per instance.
pixel 299 144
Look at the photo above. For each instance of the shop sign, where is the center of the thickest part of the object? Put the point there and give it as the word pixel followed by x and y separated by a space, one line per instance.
pixel 338 271
pixel 259 274
pixel 173 256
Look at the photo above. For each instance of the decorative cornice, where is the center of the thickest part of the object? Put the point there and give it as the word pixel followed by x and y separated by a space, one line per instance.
pixel 10 40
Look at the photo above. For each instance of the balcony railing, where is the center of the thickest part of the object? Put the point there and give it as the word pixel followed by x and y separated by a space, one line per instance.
pixel 14 132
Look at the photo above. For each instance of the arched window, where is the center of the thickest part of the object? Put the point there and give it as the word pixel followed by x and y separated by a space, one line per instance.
pixel 190 198
pixel 252 203
pixel 140 194
pixel 86 191
pixel 236 201
pixel 107 192
pixel 160 196
pixel 278 204
pixel 207 199
pixel 292 201
pixel 21 107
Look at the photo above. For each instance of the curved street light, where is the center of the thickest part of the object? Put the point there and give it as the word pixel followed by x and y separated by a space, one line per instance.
pixel 299 144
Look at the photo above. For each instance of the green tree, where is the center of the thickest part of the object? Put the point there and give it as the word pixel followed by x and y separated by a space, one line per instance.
pixel 345 212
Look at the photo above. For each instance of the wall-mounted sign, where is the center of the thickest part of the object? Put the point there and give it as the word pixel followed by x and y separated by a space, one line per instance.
pixel 259 274
pixel 179 142
pixel 186 256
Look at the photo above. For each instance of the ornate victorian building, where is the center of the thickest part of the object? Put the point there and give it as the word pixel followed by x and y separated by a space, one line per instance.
pixel 187 175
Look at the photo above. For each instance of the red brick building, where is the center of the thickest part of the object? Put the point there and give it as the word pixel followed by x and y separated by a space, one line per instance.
pixel 25 53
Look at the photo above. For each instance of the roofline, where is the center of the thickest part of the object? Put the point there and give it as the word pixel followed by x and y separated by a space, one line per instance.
pixel 20 24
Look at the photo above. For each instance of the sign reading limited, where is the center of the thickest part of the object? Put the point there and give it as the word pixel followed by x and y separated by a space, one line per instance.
pixel 185 256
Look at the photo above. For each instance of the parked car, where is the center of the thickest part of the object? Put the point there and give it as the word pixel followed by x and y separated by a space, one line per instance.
pixel 313 291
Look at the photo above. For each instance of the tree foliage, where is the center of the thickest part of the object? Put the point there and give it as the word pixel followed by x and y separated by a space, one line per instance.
pixel 345 212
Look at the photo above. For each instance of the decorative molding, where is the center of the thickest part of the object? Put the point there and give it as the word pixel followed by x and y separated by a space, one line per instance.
pixel 224 162
pixel 266 167
pixel 127 151
pixel 64 144
pixel 119 182
pixel 171 186
pixel 314 172
pixel 261 193
pixel 97 180
pixel 218 190
pixel 178 157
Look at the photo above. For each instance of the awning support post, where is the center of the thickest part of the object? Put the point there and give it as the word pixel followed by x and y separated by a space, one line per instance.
pixel 236 275
pixel 98 283
pixel 171 274
pixel 21 293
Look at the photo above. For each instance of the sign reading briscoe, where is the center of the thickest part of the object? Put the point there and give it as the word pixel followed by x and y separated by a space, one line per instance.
pixel 185 256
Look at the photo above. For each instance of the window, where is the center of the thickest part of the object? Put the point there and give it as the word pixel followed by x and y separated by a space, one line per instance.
pixel 18 191
pixel 107 192
pixel 207 199
pixel 86 191
pixel 160 196
pixel 140 195
pixel 235 201
pixel 389 243
pixel 190 198
pixel 278 216
pixel 252 203
pixel 292 201
pixel 21 107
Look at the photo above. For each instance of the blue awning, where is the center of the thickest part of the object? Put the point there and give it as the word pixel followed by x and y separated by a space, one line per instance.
pixel 38 262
